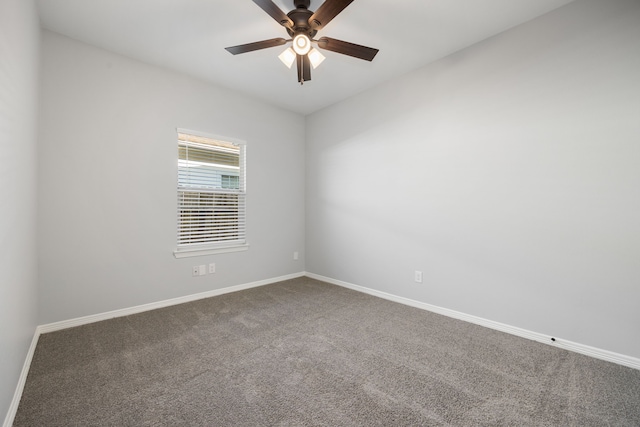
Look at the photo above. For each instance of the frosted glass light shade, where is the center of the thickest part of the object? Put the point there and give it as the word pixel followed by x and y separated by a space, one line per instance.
pixel 288 57
pixel 315 57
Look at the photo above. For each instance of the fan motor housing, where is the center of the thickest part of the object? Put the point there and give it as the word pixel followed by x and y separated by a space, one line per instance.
pixel 300 17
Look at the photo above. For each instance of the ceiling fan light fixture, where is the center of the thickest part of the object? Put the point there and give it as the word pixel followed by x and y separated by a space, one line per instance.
pixel 301 44
pixel 302 25
pixel 288 57
pixel 315 57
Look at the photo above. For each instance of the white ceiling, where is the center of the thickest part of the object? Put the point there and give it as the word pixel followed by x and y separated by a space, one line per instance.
pixel 189 36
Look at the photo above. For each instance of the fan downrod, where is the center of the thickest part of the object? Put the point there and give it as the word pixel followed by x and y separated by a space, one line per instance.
pixel 302 4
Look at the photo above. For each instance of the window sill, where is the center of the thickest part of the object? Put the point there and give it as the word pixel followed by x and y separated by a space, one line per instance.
pixel 186 253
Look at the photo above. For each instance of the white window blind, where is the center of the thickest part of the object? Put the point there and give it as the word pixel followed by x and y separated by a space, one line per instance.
pixel 211 192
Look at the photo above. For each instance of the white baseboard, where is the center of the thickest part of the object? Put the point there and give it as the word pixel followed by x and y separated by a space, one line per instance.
pixel 13 407
pixel 597 353
pixel 51 327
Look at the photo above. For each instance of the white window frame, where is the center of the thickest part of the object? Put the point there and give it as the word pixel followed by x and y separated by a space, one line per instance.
pixel 214 247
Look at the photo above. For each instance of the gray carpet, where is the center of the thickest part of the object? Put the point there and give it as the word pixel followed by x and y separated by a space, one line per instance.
pixel 306 353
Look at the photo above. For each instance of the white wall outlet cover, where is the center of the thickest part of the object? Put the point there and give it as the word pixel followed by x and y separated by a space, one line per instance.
pixel 418 276
pixel 203 270
pixel 195 271
pixel 212 268
pixel 295 255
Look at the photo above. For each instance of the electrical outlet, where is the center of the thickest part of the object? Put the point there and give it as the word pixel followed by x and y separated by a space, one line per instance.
pixel 418 276
pixel 212 268
pixel 195 271
pixel 202 270
pixel 295 255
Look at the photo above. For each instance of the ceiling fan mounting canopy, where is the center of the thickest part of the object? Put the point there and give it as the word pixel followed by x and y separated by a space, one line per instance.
pixel 303 22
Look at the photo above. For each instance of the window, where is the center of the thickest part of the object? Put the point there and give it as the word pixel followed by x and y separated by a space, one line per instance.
pixel 211 195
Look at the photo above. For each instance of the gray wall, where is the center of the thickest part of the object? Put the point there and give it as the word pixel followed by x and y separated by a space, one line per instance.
pixel 507 173
pixel 19 41
pixel 107 199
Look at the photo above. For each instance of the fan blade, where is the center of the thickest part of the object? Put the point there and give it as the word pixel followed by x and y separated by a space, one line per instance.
pixel 275 12
pixel 250 47
pixel 346 48
pixel 326 12
pixel 304 68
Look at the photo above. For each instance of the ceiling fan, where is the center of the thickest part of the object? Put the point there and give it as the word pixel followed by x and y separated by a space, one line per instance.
pixel 302 25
